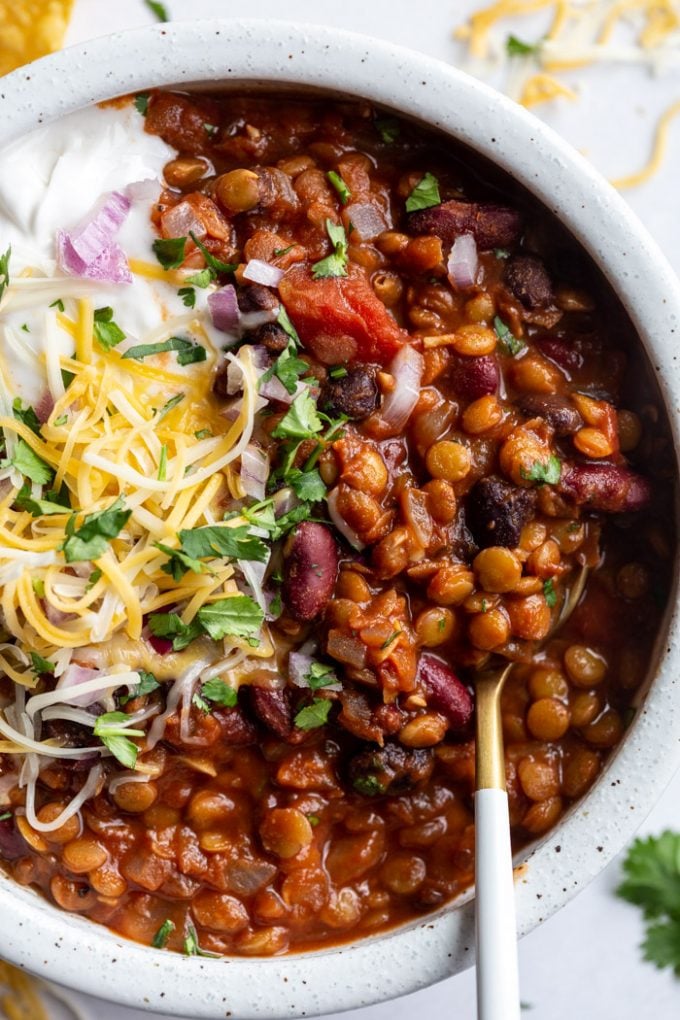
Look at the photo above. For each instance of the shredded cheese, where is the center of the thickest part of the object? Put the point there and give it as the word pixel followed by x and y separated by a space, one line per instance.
pixel 659 147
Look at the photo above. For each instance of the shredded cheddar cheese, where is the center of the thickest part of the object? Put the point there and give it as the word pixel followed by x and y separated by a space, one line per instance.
pixel 658 151
pixel 541 88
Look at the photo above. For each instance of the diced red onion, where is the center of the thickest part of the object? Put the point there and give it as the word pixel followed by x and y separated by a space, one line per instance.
pixel 44 407
pixel 160 645
pixel 89 249
pixel 254 471
pixel 224 311
pixel 273 389
pixel 299 666
pixel 74 675
pixel 56 616
pixel 463 262
pixel 143 191
pixel 367 220
pixel 258 271
pixel 340 522
pixel 181 221
pixel 407 368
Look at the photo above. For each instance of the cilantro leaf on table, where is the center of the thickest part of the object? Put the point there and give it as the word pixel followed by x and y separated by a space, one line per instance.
pixel 107 333
pixel 312 716
pixel 334 264
pixel 26 415
pixel 170 251
pixel 301 420
pixel 424 195
pixel 544 473
pixel 29 464
pixel 158 9
pixel 652 881
pixel 91 539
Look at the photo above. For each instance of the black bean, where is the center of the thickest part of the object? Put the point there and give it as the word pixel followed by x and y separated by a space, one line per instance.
pixel 528 279
pixel 256 298
pixel 355 394
pixel 392 769
pixel 497 511
pixel 559 412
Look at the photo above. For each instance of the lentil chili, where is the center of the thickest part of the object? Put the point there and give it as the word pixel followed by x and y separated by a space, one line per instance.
pixel 453 429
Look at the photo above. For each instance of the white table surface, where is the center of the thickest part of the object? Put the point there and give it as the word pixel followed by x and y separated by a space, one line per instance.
pixel 584 962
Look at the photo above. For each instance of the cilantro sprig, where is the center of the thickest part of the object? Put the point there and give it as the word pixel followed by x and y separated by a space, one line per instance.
pixel 147 684
pixel 511 344
pixel 652 881
pixel 334 264
pixel 188 352
pixel 29 464
pixel 546 472
pixel 301 420
pixel 343 191
pixel 170 251
pixel 211 542
pixel 424 195
pixel 237 616
pixel 312 716
pixel 107 333
pixel 26 415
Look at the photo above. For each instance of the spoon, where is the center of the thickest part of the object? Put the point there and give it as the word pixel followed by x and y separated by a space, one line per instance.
pixel 497 973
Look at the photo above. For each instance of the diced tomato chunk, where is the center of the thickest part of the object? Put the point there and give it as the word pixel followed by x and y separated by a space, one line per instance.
pixel 339 318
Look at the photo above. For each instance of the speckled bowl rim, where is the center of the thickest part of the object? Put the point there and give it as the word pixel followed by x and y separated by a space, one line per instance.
pixel 71 950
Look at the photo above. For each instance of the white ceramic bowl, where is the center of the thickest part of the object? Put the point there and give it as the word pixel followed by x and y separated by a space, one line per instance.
pixel 256 54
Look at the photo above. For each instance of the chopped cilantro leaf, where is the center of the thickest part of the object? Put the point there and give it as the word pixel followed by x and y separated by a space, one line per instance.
pixel 30 464
pixel 369 785
pixel 192 948
pixel 287 368
pixel 163 464
pixel 67 378
pixel 158 9
pixel 26 415
pixel 238 616
pixel 517 48
pixel 424 195
pixel 113 730
pixel 61 420
pixel 141 104
pixel 388 129
pixel 219 692
pixel 301 420
pixel 211 262
pixel 509 342
pixel 41 665
pixel 37 507
pixel 283 251
pixel 93 578
pixel 170 625
pixel 313 820
pixel 107 333
pixel 334 264
pixel 160 939
pixel 147 684
pixel 203 278
pixel 312 716
pixel 169 405
pixel 550 593
pixel 308 485
pixel 390 640
pixel 200 703
pixel 203 434
pixel 58 304
pixel 213 542
pixel 283 319
pixel 170 251
pixel 501 253
pixel 340 186
pixel 338 372
pixel 320 675
pixel 5 815
pixel 187 351
pixel 547 473
pixel 91 539
pixel 4 270
pixel 211 129
pixel 26 328
pixel 38 586
pixel 188 296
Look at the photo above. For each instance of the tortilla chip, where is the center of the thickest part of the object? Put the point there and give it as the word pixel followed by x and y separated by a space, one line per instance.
pixel 31 28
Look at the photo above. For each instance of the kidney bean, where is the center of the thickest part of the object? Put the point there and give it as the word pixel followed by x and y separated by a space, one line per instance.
pixel 473 378
pixel 355 395
pixel 390 770
pixel 558 411
pixel 528 279
pixel 310 569
pixel 562 351
pixel 273 707
pixel 497 511
pixel 492 226
pixel 609 488
pixel 445 692
pixel 235 725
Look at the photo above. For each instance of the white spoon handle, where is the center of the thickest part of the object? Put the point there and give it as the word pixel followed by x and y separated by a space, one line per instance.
pixel 497 977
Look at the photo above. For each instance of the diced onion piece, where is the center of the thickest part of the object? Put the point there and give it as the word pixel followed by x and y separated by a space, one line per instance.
pixel 89 250
pixel 299 667
pixel 407 369
pixel 340 522
pixel 273 389
pixel 258 271
pixel 224 309
pixel 181 221
pixel 347 649
pixel 144 191
pixel 367 220
pixel 254 471
pixel 463 262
